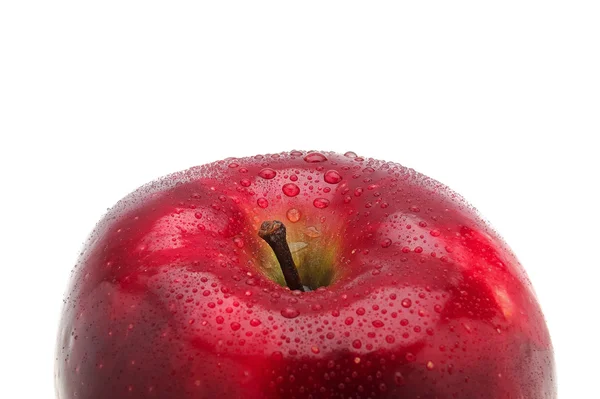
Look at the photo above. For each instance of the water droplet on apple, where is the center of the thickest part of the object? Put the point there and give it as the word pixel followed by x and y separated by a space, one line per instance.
pixel 238 242
pixel 398 378
pixel 406 303
pixel 255 322
pixel 321 203
pixel 360 311
pixel 386 243
pixel 332 177
pixel 245 182
pixel 377 323
pixel 235 326
pixel 290 189
pixel 315 350
pixel 350 154
pixel 220 320
pixel 356 344
pixel 267 173
pixel 293 215
pixel 435 232
pixel 233 165
pixel 349 321
pixel 314 157
pixel 262 202
pixel 297 246
pixel 290 313
pixel 312 232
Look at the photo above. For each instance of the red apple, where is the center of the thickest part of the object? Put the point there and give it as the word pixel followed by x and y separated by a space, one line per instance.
pixel 410 293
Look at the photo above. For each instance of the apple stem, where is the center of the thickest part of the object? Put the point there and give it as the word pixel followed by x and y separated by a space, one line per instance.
pixel 273 232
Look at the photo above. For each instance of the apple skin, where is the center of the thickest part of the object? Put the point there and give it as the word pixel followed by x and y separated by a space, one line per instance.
pixel 175 295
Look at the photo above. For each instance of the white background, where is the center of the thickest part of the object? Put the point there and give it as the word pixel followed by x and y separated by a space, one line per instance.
pixel 499 100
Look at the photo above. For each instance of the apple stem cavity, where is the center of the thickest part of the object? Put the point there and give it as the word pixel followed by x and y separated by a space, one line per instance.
pixel 274 233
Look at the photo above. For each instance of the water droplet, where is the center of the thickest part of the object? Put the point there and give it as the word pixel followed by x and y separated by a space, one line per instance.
pixel 349 321
pixel 332 177
pixel 377 323
pixel 245 182
pixel 293 215
pixel 235 326
pixel 430 365
pixel 315 157
pixel 406 303
pixel 356 344
pixel 398 378
pixel 435 232
pixel 233 165
pixel 386 243
pixel 360 311
pixel 267 173
pixel 290 189
pixel 297 246
pixel 350 154
pixel 321 203
pixel 312 232
pixel 255 322
pixel 220 320
pixel 238 242
pixel 262 202
pixel 290 313
pixel 315 350
pixel 390 339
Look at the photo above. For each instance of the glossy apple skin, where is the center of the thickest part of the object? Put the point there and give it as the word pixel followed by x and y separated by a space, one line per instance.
pixel 173 295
